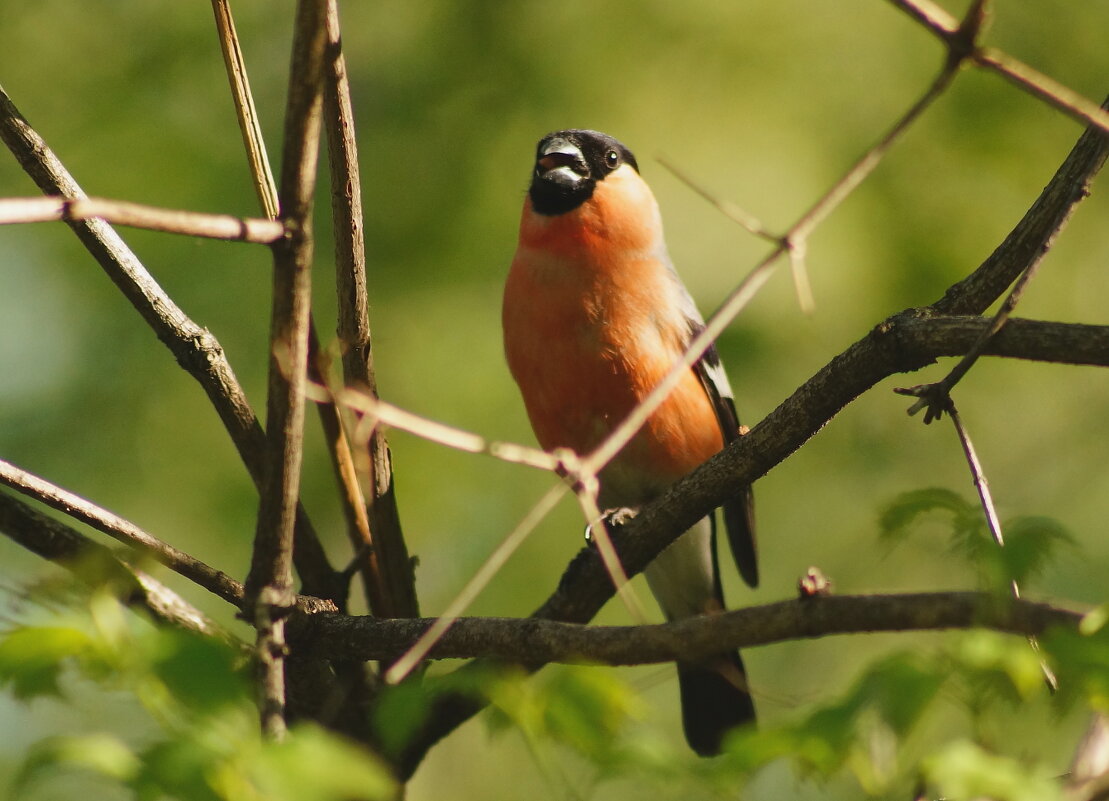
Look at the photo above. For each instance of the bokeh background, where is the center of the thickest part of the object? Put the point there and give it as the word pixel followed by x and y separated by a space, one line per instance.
pixel 764 102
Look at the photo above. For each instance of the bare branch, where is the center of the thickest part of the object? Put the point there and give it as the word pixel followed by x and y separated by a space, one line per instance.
pixel 533 641
pixel 376 411
pixel 245 111
pixel 194 347
pixel 269 584
pixel 387 570
pixel 215 581
pixel 1043 87
pixel 137 215
pixel 57 542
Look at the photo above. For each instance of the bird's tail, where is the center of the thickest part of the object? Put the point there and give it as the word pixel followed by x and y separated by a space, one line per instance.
pixel 715 699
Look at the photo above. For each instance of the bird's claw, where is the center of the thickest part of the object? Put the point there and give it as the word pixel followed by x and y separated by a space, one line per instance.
pixel 612 518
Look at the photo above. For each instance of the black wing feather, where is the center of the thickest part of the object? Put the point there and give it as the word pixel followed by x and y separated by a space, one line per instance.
pixel 739 511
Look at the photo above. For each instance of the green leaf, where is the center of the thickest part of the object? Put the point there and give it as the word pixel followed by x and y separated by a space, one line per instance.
pixel 963 770
pixel 100 753
pixel 311 764
pixel 587 708
pixel 998 664
pixel 200 672
pixel 1081 662
pixel 183 768
pixel 899 517
pixel 1030 543
pixel 32 658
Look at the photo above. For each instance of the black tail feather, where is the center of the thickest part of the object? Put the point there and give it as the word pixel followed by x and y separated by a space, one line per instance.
pixel 715 699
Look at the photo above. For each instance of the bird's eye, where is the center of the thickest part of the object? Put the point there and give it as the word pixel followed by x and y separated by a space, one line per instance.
pixel 612 159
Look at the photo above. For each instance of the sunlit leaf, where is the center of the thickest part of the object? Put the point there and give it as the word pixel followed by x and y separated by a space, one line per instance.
pixel 962 770
pixel 587 708
pixel 32 658
pixel 102 754
pixel 998 664
pixel 313 765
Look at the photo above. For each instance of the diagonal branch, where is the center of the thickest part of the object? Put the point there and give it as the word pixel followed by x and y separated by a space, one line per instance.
pixel 57 542
pixel 215 581
pixel 245 112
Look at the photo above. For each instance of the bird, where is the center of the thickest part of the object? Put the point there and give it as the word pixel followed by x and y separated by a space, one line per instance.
pixel 594 316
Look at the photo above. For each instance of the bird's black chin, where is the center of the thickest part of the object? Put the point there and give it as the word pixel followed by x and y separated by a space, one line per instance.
pixel 559 190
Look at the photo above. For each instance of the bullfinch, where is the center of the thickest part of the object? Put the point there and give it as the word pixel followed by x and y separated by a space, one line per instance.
pixel 594 317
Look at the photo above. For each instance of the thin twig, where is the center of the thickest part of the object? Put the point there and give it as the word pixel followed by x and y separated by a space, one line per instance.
pixel 733 212
pixel 215 581
pixel 931 15
pixel 1056 94
pixel 993 522
pixel 245 111
pixel 193 346
pixel 375 411
pixel 346 472
pixel 269 584
pixel 137 215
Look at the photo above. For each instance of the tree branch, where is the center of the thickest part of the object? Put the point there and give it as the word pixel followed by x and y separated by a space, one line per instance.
pixel 269 584
pixel 373 522
pixel 1034 234
pixel 215 581
pixel 137 215
pixel 529 641
pixel 53 540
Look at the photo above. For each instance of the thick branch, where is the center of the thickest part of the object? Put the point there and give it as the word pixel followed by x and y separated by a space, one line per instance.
pixel 1034 234
pixel 530 641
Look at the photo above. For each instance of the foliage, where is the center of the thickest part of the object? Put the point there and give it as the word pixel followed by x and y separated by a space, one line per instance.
pixel 197 738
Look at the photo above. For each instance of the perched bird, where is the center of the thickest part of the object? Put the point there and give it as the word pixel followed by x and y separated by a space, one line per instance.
pixel 594 317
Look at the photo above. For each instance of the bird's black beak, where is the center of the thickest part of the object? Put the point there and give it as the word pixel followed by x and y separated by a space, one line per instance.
pixel 561 162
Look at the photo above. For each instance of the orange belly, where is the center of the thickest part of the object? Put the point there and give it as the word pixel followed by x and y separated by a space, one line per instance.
pixel 586 346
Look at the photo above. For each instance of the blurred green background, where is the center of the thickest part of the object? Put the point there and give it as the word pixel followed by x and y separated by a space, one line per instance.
pixel 764 103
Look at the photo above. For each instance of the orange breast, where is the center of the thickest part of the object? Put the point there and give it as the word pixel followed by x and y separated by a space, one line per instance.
pixel 592 323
